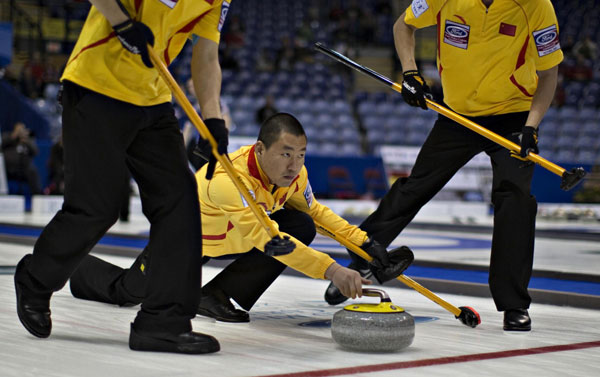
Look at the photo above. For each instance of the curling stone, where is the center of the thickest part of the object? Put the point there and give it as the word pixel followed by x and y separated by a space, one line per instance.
pixel 382 327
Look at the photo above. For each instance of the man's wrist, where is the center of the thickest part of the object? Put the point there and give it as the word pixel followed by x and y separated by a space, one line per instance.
pixel 331 270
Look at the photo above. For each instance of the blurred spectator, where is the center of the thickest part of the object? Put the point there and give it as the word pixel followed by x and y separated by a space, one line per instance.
pixel 286 57
pixel 579 70
pixel 567 46
pixel 266 110
pixel 19 148
pixel 586 49
pixel 30 82
pixel 228 61
pixel 56 170
pixel 265 62
pixel 234 37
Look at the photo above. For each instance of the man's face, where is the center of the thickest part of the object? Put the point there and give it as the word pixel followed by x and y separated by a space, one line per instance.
pixel 283 160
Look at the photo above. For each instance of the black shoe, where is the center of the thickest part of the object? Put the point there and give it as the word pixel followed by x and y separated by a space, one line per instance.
pixel 33 309
pixel 517 320
pixel 218 306
pixel 188 342
pixel 334 296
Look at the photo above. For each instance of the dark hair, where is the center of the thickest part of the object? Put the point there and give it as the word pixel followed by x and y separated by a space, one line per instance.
pixel 276 124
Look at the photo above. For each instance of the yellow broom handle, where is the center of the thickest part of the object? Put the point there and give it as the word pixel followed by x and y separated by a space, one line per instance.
pixel 262 217
pixel 404 279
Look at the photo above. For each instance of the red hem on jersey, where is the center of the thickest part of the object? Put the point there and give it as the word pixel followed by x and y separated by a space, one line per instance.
pixel 217 237
pixel 523 90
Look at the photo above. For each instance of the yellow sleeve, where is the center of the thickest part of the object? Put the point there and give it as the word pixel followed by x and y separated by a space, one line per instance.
pixel 223 194
pixel 423 13
pixel 544 36
pixel 211 23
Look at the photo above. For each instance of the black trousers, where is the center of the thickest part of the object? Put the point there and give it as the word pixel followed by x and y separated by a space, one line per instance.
pixel 244 280
pixel 103 139
pixel 448 147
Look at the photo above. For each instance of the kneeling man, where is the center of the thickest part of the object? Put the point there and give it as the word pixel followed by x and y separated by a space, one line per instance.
pixel 274 172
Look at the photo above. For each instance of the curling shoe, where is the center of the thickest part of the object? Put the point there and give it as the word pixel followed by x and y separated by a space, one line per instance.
pixel 517 320
pixel 33 308
pixel 218 306
pixel 189 342
pixel 334 296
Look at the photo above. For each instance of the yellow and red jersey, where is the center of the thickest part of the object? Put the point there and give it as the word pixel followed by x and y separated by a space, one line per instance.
pixel 100 63
pixel 488 57
pixel 230 227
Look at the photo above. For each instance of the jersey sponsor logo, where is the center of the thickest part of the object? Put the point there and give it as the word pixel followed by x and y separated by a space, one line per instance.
pixel 308 194
pixel 419 7
pixel 456 34
pixel 170 3
pixel 224 10
pixel 546 40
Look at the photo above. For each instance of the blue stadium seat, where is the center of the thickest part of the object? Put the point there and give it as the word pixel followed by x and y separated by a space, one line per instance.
pixel 586 156
pixel 301 105
pixel 350 149
pixel 375 137
pixel 567 113
pixel 324 120
pixel 345 121
pixel 359 97
pixel 366 107
pixel 328 149
pixel 590 129
pixel 306 119
pixel 385 109
pixel 373 122
pixel 570 128
pixel 565 142
pixel 587 113
pixel 380 97
pixel 284 104
pixel 349 135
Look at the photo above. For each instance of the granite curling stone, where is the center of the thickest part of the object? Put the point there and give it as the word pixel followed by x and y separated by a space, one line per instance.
pixel 382 327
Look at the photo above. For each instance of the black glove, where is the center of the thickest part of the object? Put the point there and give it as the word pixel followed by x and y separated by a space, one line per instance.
pixel 204 149
pixel 529 140
pixel 387 266
pixel 134 37
pixel 415 89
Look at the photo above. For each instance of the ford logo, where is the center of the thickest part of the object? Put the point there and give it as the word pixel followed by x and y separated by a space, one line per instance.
pixel 545 38
pixel 456 31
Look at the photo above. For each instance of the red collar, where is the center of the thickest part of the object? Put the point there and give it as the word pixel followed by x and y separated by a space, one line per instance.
pixel 253 167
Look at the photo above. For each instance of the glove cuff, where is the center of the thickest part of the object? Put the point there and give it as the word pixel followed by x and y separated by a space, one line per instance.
pixel 411 72
pixel 414 73
pixel 529 130
pixel 211 122
pixel 123 26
